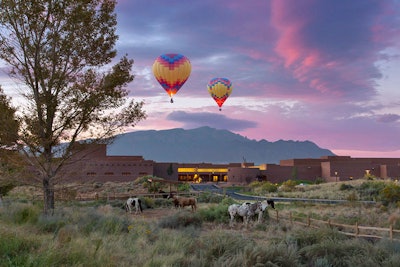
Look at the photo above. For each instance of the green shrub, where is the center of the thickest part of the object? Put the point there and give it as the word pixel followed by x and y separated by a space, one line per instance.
pixel 162 202
pixel 390 193
pixel 217 213
pixel 209 197
pixel 5 188
pixel 344 187
pixel 95 221
pixel 16 250
pixel 288 186
pixel 148 203
pixel 184 187
pixel 21 213
pixel 264 187
pixel 350 252
pixel 51 224
pixel 370 190
pixel 352 197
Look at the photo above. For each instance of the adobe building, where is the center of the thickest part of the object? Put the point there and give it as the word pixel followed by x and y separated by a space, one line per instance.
pixel 96 165
pixel 93 164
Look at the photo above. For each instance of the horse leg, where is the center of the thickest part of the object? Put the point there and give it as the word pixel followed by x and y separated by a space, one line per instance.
pixel 231 221
pixel 140 206
pixel 260 217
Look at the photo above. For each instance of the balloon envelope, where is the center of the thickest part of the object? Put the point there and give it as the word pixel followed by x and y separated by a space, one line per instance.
pixel 172 71
pixel 219 89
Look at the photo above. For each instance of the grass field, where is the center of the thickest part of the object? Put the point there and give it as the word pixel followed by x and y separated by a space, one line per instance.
pixel 101 233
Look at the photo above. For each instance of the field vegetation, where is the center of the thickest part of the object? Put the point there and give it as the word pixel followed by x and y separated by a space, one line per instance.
pixel 101 233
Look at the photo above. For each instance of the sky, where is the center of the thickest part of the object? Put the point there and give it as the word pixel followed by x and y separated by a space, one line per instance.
pixel 327 71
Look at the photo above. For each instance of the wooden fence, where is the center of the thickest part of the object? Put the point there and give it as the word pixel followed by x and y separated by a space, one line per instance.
pixel 347 229
pixel 120 196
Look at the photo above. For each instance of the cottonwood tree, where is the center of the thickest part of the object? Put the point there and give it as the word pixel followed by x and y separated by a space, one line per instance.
pixel 9 158
pixel 8 123
pixel 62 52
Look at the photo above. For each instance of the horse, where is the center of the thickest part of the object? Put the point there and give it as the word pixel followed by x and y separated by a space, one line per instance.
pixel 182 202
pixel 246 211
pixel 134 203
pixel 264 206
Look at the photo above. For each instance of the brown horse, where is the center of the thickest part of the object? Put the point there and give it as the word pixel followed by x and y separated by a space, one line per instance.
pixel 182 202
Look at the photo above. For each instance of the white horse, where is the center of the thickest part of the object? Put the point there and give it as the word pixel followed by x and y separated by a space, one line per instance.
pixel 134 203
pixel 246 211
pixel 264 206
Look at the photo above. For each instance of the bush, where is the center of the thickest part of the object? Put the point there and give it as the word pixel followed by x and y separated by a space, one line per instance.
pixel 390 194
pixel 5 188
pixel 51 224
pixel 265 187
pixel 180 220
pixel 344 187
pixel 208 197
pixel 288 186
pixel 16 250
pixel 184 187
pixel 21 213
pixel 217 213
pixel 95 221
pixel 370 190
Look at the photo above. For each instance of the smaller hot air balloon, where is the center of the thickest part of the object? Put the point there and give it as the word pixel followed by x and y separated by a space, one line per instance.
pixel 171 71
pixel 219 89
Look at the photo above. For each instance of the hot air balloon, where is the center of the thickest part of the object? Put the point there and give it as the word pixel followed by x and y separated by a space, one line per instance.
pixel 219 89
pixel 172 71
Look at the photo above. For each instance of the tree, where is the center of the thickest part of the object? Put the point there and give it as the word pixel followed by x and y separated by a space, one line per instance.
pixel 61 51
pixel 8 123
pixel 9 158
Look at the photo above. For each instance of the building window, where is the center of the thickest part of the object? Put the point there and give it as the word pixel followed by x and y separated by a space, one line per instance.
pixel 108 173
pixel 126 173
pixel 91 174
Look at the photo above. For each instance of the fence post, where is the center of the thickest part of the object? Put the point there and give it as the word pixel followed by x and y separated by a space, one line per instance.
pixel 357 230
pixel 391 232
pixel 290 218
pixel 308 221
pixel 277 215
pixel 329 223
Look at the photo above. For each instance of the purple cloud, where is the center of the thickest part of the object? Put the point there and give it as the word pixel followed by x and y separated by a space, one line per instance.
pixel 194 120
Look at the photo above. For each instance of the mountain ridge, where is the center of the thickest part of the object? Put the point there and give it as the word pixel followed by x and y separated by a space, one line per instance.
pixel 206 144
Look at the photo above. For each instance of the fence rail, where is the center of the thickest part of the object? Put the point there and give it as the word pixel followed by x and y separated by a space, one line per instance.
pixel 119 196
pixel 355 230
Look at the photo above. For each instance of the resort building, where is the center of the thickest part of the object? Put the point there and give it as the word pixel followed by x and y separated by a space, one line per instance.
pixel 96 165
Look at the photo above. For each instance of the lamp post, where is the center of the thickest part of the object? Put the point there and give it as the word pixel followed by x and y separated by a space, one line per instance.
pixel 336 174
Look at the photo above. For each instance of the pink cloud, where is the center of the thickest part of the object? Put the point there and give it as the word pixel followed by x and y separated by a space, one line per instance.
pixel 329 49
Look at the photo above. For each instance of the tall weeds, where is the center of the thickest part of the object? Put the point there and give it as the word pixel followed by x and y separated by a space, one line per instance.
pixel 104 235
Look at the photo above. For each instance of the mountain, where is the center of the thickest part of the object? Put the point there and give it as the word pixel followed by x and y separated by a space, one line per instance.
pixel 211 145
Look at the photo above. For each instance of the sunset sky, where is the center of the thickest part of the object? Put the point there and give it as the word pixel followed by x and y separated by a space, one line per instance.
pixel 327 71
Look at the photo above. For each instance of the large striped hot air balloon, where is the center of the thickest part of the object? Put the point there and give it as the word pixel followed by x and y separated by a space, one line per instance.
pixel 172 71
pixel 220 89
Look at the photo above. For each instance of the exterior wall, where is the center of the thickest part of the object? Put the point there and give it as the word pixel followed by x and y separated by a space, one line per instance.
pixel 239 175
pixel 122 169
pixel 93 164
pixel 162 169
pixel 392 171
pixel 276 173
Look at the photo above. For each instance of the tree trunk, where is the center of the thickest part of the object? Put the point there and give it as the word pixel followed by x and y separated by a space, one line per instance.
pixel 48 197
